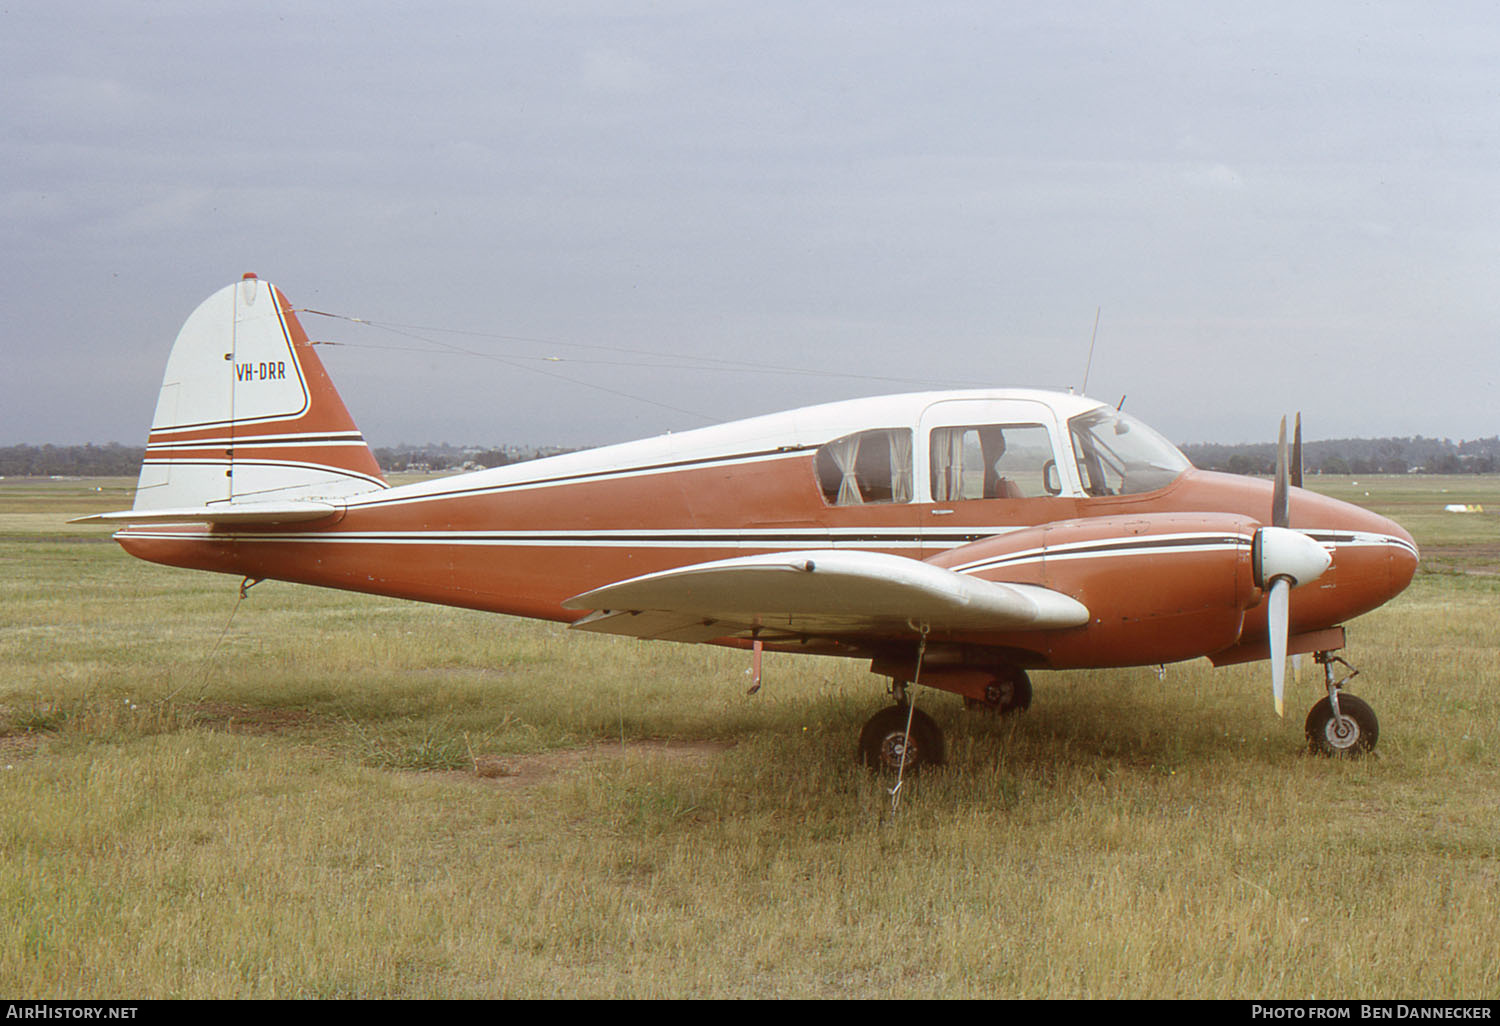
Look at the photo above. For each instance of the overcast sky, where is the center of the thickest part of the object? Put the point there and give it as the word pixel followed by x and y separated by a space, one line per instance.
pixel 650 216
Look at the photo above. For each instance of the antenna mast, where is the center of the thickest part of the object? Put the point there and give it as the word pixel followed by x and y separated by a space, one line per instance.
pixel 1087 366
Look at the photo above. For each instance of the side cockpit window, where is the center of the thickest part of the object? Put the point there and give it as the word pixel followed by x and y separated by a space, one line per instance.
pixel 869 467
pixel 992 461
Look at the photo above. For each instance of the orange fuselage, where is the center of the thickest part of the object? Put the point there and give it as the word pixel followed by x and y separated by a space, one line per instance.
pixel 1165 575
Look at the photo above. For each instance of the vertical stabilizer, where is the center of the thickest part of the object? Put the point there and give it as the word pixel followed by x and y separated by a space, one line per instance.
pixel 247 412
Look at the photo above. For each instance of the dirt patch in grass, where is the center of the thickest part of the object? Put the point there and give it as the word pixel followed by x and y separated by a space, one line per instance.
pixel 20 745
pixel 530 770
pixel 1478 559
pixel 247 719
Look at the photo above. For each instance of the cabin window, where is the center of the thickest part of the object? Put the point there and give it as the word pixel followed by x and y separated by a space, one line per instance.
pixel 870 467
pixel 1118 455
pixel 993 461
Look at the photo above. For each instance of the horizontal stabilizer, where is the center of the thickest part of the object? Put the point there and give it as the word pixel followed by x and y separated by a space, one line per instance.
pixel 825 593
pixel 228 513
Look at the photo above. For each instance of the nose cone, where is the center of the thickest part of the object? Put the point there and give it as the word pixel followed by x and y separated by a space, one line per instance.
pixel 1374 558
pixel 1403 554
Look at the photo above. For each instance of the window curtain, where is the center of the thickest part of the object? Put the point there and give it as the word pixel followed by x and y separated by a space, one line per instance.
pixel 947 464
pixel 845 452
pixel 901 477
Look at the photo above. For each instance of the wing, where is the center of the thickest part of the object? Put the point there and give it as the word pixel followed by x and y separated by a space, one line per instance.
pixel 825 593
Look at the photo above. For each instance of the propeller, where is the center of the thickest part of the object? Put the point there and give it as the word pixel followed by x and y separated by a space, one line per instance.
pixel 1283 559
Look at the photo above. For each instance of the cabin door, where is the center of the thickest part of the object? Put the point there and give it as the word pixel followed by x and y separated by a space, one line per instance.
pixel 985 467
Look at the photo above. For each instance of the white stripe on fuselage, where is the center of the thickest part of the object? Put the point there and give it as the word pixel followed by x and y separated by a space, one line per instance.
pixel 786 540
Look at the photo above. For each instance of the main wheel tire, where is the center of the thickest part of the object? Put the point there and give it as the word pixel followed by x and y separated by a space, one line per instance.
pixel 882 741
pixel 1009 692
pixel 1354 734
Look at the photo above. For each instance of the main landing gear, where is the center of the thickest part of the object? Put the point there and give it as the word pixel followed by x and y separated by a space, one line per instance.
pixel 886 740
pixel 900 738
pixel 1340 724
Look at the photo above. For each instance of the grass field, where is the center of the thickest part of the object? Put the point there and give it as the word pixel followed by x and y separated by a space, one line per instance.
pixel 332 795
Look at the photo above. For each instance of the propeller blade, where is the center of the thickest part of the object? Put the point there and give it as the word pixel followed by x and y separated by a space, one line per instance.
pixel 1297 453
pixel 1277 615
pixel 1286 558
pixel 1283 559
pixel 1279 496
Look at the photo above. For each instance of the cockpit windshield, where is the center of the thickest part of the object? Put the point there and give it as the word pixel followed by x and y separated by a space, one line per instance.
pixel 1118 455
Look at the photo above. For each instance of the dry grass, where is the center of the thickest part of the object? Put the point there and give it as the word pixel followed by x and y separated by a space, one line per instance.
pixel 360 797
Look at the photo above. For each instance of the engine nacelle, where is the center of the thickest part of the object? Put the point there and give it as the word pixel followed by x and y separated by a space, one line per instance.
pixel 1159 587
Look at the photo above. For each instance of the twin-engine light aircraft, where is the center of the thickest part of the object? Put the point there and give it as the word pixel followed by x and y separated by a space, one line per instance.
pixel 954 539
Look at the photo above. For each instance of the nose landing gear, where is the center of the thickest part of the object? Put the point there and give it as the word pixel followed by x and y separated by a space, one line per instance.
pixel 1340 725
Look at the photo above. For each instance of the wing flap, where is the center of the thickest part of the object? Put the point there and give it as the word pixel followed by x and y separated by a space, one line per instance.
pixel 825 593
pixel 656 625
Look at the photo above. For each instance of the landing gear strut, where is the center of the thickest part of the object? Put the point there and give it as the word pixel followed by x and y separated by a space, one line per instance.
pixel 1340 724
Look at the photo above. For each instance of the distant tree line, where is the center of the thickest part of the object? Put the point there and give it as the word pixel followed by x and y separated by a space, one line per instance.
pixel 457 457
pixel 1340 456
pixel 1416 455
pixel 115 460
pixel 112 460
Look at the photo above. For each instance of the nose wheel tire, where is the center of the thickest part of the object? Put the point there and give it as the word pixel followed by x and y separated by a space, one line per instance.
pixel 884 739
pixel 1353 733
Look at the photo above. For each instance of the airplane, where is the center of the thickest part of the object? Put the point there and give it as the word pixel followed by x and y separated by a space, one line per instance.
pixel 957 540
